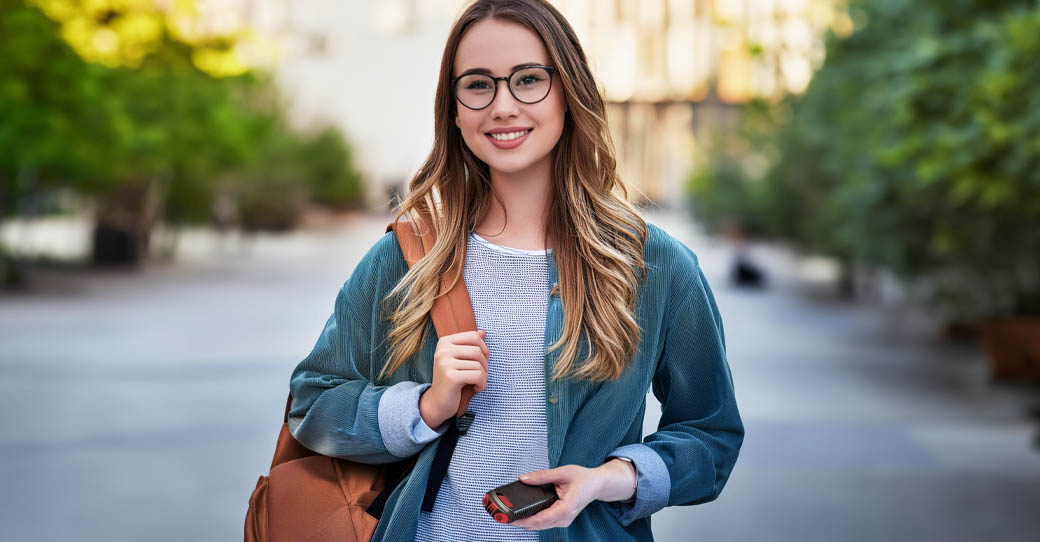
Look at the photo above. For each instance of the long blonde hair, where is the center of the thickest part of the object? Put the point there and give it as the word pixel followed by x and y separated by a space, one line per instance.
pixel 596 234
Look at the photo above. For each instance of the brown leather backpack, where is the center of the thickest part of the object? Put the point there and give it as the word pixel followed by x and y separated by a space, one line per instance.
pixel 317 498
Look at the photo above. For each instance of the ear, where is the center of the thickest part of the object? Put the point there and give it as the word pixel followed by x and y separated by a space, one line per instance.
pixel 457 121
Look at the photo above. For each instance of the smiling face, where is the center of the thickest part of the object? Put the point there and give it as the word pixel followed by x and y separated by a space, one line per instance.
pixel 499 46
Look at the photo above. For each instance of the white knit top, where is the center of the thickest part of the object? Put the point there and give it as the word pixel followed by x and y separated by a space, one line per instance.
pixel 508 289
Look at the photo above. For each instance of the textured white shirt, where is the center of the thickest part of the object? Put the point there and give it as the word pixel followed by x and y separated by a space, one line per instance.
pixel 507 288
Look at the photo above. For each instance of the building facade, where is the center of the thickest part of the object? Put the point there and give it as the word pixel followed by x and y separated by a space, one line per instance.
pixel 671 70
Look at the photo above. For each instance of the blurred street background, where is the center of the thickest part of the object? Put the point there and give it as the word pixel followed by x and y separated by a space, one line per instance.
pixel 184 186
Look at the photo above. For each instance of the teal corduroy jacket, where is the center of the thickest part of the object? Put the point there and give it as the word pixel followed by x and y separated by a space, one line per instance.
pixel 681 357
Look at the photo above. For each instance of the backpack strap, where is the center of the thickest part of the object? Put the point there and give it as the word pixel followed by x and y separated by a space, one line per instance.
pixel 451 313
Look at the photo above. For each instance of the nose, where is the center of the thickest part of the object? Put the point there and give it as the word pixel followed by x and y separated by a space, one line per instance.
pixel 504 104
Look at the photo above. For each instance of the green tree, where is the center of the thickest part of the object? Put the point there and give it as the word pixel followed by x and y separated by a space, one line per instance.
pixel 110 100
pixel 915 149
pixel 329 169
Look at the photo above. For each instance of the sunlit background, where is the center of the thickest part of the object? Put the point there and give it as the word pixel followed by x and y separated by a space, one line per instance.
pixel 184 186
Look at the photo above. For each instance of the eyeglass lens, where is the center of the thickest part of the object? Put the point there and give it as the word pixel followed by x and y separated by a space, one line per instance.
pixel 528 85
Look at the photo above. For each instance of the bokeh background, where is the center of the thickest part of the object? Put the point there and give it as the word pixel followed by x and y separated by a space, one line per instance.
pixel 184 186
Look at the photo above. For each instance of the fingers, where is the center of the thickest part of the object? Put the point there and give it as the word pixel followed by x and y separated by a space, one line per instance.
pixel 461 359
pixel 544 476
pixel 467 365
pixel 470 358
pixel 467 352
pixel 560 514
pixel 571 481
pixel 473 338
pixel 469 372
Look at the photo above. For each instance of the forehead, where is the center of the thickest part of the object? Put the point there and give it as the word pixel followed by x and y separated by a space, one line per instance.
pixel 498 46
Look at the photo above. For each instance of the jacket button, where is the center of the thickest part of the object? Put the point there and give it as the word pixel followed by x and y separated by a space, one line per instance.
pixel 554 399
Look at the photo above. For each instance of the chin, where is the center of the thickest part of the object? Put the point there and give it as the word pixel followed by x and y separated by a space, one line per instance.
pixel 512 164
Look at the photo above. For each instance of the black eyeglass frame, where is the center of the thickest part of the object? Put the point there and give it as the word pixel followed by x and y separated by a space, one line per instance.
pixel 494 94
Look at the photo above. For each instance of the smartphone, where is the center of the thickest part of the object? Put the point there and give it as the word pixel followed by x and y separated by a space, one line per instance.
pixel 517 500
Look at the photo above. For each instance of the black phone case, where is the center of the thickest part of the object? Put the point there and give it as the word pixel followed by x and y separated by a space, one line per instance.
pixel 526 500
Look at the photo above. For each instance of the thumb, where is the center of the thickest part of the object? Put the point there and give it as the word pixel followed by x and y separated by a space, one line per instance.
pixel 537 477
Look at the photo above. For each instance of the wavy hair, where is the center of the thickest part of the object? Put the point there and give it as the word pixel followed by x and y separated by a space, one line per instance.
pixel 596 234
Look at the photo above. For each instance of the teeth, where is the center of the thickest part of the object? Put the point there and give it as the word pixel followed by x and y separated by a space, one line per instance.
pixel 509 136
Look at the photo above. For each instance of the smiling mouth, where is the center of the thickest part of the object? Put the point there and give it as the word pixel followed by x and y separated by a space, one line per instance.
pixel 509 136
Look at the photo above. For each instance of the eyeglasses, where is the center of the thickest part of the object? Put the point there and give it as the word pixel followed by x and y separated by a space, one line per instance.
pixel 528 85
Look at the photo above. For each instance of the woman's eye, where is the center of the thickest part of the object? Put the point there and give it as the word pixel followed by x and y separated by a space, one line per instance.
pixel 477 85
pixel 529 79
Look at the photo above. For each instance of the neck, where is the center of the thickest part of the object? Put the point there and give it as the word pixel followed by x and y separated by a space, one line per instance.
pixel 525 195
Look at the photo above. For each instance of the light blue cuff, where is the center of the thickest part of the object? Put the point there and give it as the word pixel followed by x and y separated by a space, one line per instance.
pixel 403 430
pixel 653 484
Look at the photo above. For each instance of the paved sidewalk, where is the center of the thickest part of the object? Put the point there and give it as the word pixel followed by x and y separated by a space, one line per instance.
pixel 144 406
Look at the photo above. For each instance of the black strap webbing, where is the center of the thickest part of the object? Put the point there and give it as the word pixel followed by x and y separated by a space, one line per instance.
pixel 441 460
pixel 395 472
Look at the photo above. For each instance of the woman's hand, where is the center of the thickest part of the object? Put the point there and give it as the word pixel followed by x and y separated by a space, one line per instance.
pixel 460 360
pixel 577 486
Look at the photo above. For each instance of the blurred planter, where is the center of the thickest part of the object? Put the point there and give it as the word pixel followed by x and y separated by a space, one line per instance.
pixel 123 225
pixel 960 331
pixel 1013 348
pixel 11 274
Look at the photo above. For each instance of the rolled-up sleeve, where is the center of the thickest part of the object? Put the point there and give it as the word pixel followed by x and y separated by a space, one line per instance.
pixel 652 484
pixel 400 424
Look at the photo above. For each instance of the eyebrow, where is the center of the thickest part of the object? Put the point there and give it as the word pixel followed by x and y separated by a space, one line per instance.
pixel 488 72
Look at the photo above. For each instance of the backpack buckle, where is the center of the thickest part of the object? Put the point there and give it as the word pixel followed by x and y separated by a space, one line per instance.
pixel 463 422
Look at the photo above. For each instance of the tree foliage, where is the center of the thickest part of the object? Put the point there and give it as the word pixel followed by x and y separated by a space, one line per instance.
pixel 109 96
pixel 917 148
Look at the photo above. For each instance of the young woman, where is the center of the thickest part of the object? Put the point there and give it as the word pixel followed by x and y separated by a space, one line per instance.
pixel 581 308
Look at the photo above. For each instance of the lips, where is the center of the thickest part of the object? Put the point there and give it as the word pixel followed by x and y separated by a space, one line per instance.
pixel 509 143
